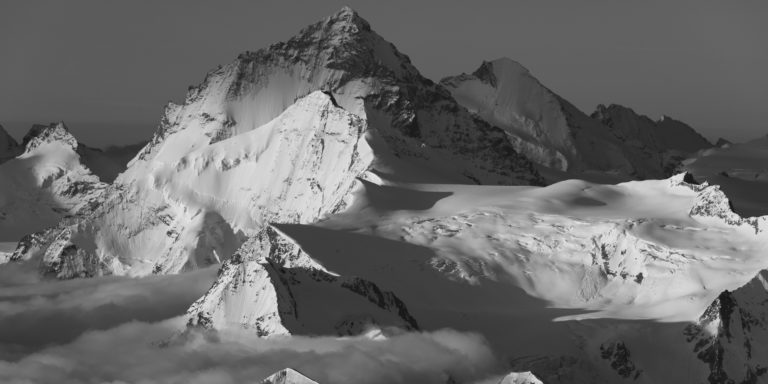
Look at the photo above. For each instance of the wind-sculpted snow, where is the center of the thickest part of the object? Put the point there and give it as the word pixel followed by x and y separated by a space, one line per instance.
pixel 273 287
pixel 194 208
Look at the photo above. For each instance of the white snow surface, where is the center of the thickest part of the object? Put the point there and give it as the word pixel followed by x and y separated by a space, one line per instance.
pixel 579 271
pixel 287 376
pixel 44 184
pixel 194 202
pixel 520 378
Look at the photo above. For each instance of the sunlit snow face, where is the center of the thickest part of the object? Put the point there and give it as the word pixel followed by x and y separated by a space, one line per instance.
pixel 118 330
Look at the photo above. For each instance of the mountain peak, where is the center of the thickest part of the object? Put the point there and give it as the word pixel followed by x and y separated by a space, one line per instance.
pixel 287 376
pixel 490 71
pixel 347 20
pixel 41 134
pixel 507 64
pixel 346 12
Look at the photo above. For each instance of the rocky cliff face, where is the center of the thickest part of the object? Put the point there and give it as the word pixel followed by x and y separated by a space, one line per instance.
pixel 730 335
pixel 676 135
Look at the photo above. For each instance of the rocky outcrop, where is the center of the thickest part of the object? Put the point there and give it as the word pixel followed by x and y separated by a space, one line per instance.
pixel 43 134
pixel 730 335
pixel 656 147
pixel 712 204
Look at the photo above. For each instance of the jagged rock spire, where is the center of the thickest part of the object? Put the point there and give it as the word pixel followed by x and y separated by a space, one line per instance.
pixel 43 134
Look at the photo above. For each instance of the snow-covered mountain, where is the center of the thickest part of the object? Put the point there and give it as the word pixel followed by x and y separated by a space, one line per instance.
pixel 659 145
pixel 287 376
pixel 278 135
pixel 273 287
pixel 544 126
pixel 45 183
pixel 338 190
pixel 554 133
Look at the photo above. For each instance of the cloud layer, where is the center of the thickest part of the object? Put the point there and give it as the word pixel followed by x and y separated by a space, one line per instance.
pixel 121 330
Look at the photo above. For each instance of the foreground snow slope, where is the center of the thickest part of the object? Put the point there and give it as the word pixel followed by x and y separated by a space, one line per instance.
pixel 571 275
pixel 258 142
pixel 45 183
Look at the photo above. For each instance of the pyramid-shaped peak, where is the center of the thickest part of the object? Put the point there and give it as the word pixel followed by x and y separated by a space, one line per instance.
pixel 287 376
pixel 41 134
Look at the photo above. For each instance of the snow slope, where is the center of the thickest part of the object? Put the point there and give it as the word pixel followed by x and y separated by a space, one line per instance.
pixel 564 280
pixel 258 141
pixel 287 376
pixel 273 287
pixel 194 207
pixel 45 183
pixel 520 378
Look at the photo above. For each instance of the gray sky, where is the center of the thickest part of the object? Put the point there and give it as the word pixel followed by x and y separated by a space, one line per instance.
pixel 107 67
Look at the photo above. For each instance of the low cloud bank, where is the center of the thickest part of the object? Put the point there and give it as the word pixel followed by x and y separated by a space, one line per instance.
pixel 37 313
pixel 135 353
pixel 117 330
